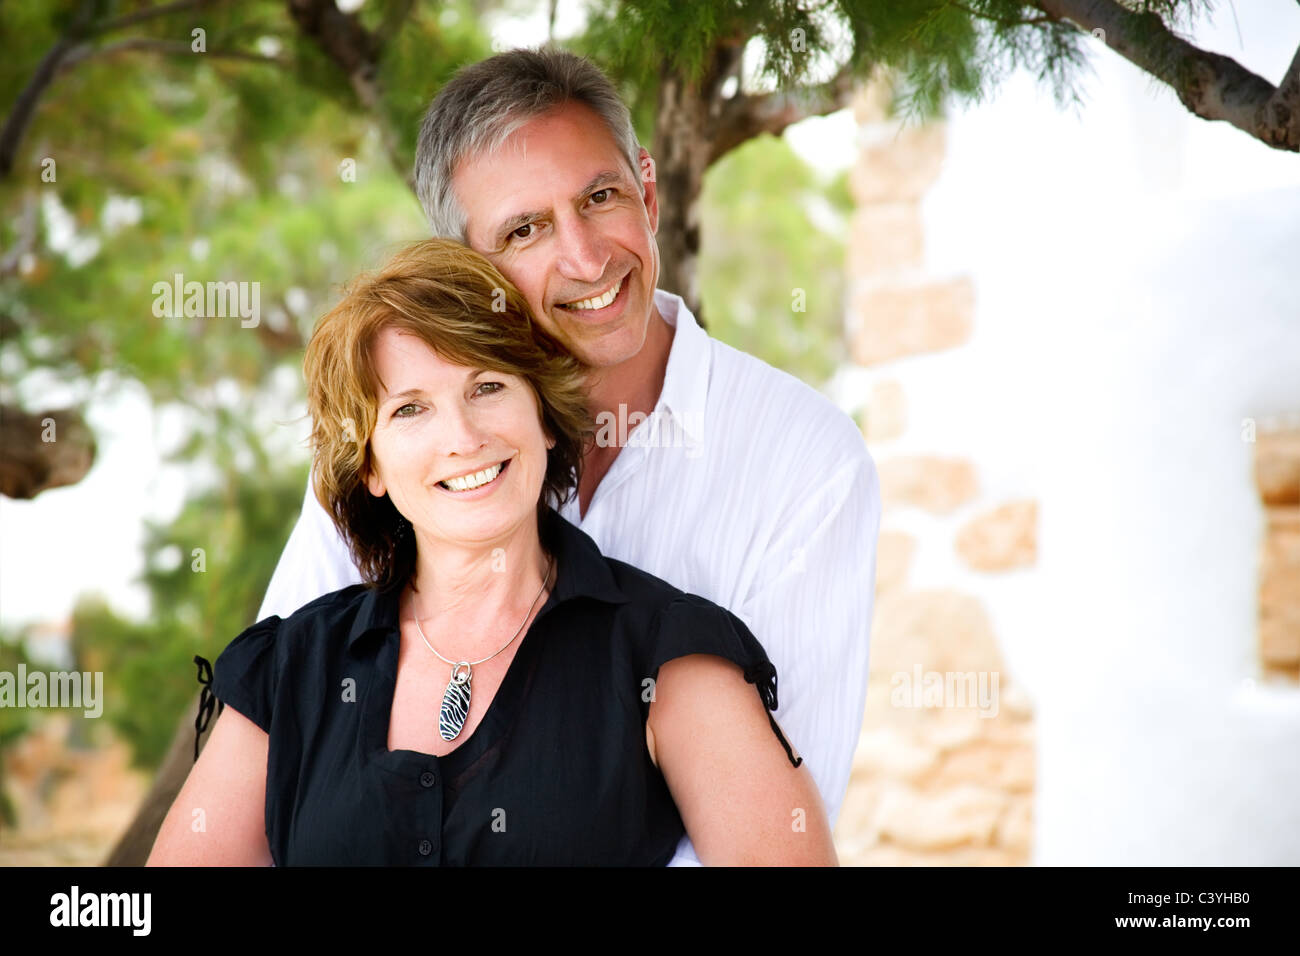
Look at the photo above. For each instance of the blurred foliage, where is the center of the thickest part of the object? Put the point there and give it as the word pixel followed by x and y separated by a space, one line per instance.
pixel 14 721
pixel 934 49
pixel 141 164
pixel 207 573
pixel 772 260
pixel 159 163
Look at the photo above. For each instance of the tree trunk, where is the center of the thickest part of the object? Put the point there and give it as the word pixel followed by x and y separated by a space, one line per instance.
pixel 695 126
pixel 681 153
pixel 135 844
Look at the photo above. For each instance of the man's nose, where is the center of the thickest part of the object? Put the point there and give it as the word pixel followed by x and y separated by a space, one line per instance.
pixel 583 251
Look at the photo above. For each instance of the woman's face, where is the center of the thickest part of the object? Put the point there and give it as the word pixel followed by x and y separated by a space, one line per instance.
pixel 440 421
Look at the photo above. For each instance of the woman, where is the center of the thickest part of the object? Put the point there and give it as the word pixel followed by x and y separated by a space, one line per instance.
pixel 497 691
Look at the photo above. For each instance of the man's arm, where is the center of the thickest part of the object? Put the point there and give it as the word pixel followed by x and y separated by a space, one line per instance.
pixel 816 590
pixel 315 562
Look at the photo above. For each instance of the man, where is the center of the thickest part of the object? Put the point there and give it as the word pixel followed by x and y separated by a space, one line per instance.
pixel 714 471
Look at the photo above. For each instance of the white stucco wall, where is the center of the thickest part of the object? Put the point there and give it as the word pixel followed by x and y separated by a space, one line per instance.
pixel 1137 276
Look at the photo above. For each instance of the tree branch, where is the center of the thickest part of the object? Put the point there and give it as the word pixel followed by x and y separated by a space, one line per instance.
pixel 1005 21
pixel 20 117
pixel 745 116
pixel 1210 85
pixel 86 52
pixel 355 51
pixel 73 48
pixel 149 13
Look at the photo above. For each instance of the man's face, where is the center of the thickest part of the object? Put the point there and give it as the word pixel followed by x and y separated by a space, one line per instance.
pixel 559 212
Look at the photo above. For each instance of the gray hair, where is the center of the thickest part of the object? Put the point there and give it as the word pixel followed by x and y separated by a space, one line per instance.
pixel 479 107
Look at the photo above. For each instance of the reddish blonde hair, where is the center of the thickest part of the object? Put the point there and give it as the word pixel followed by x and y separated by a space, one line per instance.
pixel 455 301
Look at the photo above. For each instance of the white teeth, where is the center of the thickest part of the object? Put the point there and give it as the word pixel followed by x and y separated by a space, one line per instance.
pixel 466 482
pixel 599 302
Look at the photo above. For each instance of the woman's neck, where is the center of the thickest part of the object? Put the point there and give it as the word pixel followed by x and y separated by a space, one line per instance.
pixel 468 594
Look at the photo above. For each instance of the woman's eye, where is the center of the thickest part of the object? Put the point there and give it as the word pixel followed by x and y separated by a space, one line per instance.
pixel 398 412
pixel 497 387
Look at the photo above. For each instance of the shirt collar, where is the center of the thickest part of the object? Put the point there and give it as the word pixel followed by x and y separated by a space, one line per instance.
pixel 686 379
pixel 582 572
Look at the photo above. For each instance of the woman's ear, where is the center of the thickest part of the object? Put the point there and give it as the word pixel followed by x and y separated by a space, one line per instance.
pixel 375 484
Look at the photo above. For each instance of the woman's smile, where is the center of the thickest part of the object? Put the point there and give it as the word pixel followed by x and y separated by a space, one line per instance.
pixel 476 484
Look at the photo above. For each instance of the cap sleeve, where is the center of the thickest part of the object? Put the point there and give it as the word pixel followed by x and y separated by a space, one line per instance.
pixel 691 624
pixel 244 675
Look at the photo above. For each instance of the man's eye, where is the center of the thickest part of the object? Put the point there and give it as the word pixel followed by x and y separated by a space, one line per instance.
pixel 523 232
pixel 604 194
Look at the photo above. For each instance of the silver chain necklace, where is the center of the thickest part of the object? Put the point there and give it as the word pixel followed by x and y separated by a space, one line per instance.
pixel 455 700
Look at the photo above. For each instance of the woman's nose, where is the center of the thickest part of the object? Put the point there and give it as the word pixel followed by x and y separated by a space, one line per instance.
pixel 463 434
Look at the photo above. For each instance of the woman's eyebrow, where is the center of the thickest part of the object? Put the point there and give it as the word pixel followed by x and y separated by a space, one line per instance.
pixel 416 390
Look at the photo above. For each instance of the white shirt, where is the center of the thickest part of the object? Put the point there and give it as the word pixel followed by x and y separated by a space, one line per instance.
pixel 744 486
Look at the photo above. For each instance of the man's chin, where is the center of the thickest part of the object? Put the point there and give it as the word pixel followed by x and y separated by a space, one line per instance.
pixel 605 348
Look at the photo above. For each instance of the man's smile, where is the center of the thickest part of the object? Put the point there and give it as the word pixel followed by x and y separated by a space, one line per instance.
pixel 598 302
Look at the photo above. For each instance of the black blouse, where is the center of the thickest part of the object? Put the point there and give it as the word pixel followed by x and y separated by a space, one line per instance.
pixel 556 773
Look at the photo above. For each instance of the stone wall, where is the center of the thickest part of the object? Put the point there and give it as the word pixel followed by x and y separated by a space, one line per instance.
pixel 1277 476
pixel 944 770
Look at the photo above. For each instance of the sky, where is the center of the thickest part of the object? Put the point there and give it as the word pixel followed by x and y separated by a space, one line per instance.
pixel 88 537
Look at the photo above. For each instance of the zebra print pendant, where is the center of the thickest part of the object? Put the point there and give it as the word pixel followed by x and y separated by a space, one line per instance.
pixel 455 702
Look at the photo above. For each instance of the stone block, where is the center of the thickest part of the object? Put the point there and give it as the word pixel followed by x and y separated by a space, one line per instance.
pixel 1277 466
pixel 928 482
pixel 894 550
pixel 962 816
pixel 1001 539
pixel 899 166
pixel 886 413
pixel 1279 590
pixel 884 239
pixel 892 321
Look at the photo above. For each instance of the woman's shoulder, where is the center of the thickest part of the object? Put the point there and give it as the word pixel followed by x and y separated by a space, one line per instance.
pixel 337 608
pixel 648 592
pixel 678 622
pixel 329 619
pixel 292 655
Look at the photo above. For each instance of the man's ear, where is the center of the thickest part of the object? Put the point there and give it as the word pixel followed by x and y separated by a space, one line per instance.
pixel 650 188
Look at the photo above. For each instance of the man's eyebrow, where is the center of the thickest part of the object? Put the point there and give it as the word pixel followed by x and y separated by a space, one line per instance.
pixel 513 223
pixel 602 179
